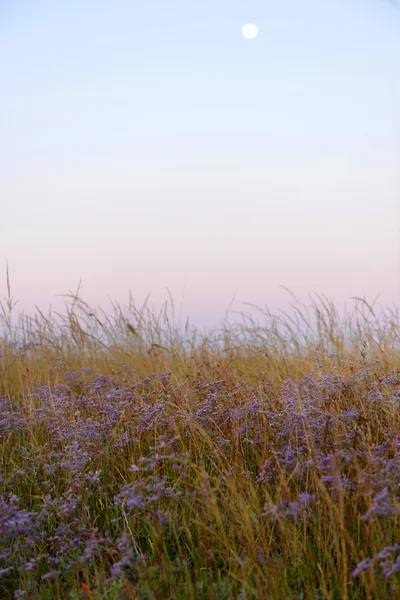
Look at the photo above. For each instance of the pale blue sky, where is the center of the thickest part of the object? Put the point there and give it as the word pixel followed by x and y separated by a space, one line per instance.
pixel 148 144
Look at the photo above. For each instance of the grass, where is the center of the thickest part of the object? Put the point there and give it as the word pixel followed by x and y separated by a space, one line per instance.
pixel 140 459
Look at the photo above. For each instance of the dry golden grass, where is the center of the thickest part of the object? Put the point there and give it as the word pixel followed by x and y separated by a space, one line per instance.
pixel 238 424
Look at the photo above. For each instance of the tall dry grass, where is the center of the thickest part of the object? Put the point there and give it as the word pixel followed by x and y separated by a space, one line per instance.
pixel 142 459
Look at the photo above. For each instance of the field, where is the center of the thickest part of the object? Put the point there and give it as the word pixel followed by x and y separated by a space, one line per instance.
pixel 143 460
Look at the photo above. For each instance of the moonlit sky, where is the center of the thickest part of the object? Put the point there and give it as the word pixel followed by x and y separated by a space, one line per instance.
pixel 146 145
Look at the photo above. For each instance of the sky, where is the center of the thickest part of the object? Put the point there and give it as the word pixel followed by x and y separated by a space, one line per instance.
pixel 149 145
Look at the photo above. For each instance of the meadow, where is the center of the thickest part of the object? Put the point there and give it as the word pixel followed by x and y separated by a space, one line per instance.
pixel 142 460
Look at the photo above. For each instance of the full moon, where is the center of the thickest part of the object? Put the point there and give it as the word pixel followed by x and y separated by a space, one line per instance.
pixel 250 31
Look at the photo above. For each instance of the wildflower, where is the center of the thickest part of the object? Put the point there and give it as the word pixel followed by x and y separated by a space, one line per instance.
pixel 362 566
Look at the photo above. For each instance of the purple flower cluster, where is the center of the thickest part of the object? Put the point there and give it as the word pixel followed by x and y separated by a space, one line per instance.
pixel 299 508
pixel 96 466
pixel 388 559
